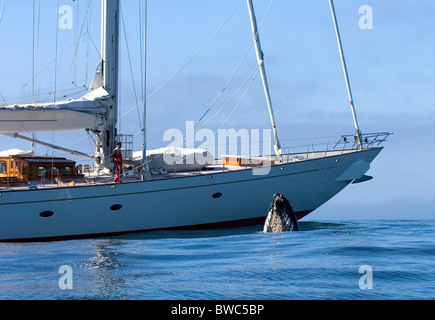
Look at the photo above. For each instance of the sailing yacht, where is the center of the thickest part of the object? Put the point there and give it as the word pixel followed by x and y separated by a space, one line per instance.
pixel 231 191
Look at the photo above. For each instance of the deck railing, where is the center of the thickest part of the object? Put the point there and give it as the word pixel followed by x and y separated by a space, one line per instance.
pixel 319 146
pixel 308 149
pixel 370 140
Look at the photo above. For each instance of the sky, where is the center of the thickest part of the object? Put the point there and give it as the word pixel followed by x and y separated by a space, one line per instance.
pixel 391 68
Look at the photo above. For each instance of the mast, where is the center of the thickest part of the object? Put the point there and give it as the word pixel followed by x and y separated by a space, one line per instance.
pixel 1 10
pixel 145 168
pixel 358 136
pixel 33 64
pixel 109 63
pixel 260 59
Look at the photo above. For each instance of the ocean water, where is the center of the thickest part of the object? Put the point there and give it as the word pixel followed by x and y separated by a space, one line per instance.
pixel 344 260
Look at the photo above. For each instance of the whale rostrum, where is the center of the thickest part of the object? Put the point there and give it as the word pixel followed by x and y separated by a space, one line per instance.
pixel 280 217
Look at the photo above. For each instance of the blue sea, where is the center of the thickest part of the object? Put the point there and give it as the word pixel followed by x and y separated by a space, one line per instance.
pixel 338 260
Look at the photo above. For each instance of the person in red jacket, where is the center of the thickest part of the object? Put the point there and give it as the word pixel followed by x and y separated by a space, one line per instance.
pixel 117 157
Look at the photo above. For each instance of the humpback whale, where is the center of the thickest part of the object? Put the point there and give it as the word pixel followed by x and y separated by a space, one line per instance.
pixel 280 216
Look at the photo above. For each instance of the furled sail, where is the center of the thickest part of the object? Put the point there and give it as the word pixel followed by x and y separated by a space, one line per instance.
pixel 88 112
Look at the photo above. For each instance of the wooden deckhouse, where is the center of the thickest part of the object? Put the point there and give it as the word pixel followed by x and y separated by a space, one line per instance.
pixel 17 169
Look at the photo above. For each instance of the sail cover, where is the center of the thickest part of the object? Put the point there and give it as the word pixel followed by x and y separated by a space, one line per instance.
pixel 88 112
pixel 174 159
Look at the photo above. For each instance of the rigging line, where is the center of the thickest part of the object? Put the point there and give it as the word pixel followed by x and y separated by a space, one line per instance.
pixel 255 71
pixel 188 134
pixel 36 58
pixel 61 56
pixel 55 86
pixel 197 53
pixel 33 51
pixel 241 99
pixel 90 139
pixel 141 46
pixel 76 27
pixel 21 124
pixel 95 46
pixel 190 60
pixel 228 83
pixel 41 98
pixel 237 106
pixel 240 64
pixel 131 68
pixel 88 28
pixel 33 65
pixel 3 98
pixel 70 145
pixel 233 75
pixel 192 131
pixel 38 51
pixel 56 59
pixel 135 107
pixel 252 77
pixel 77 43
pixel 48 65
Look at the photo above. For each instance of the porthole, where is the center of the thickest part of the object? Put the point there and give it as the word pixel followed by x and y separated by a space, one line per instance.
pixel 46 214
pixel 217 195
pixel 116 207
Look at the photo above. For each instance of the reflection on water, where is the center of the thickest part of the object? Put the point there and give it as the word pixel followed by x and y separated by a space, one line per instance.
pixel 142 260
pixel 105 271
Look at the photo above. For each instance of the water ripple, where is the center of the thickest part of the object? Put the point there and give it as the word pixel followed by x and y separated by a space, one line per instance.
pixel 320 262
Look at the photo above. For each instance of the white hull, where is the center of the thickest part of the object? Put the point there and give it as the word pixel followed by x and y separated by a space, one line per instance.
pixel 187 202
